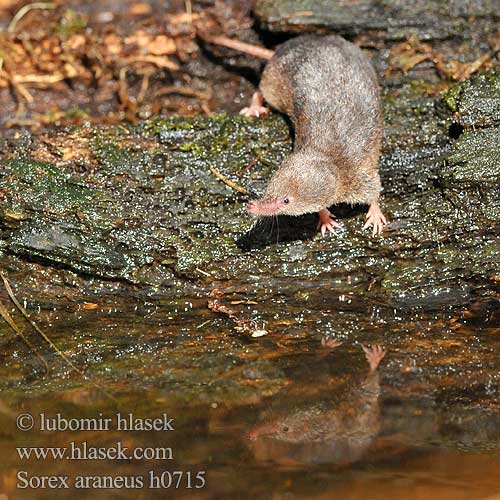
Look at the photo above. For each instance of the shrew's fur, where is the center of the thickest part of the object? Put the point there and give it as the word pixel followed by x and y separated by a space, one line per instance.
pixel 328 87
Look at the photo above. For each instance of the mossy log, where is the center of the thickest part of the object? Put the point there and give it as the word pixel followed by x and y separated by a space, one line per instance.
pixel 142 205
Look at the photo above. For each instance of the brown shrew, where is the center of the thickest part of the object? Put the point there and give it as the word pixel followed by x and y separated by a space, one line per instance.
pixel 329 89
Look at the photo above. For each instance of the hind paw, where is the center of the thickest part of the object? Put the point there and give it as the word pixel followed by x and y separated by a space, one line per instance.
pixel 256 107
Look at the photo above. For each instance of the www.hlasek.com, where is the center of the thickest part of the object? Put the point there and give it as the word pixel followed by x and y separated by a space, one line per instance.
pixel 174 479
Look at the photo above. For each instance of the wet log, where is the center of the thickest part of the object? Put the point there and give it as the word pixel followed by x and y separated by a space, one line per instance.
pixel 155 205
pixel 392 20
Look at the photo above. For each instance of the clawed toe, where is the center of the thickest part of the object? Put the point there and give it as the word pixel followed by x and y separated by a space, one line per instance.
pixel 375 218
pixel 256 107
pixel 329 228
pixel 330 343
pixel 256 111
pixel 326 224
pixel 374 355
pixel 378 226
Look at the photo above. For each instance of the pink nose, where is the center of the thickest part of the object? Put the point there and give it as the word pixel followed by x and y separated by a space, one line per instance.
pixel 251 206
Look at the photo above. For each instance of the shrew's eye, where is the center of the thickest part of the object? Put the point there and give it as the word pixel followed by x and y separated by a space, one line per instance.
pixel 286 201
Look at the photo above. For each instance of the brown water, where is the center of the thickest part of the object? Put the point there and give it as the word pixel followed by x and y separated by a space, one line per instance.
pixel 428 425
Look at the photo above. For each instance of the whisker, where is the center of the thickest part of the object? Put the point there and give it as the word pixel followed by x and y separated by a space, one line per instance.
pixel 262 225
pixel 260 221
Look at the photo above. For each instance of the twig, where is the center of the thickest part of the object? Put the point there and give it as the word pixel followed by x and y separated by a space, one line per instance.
pixel 40 79
pixel 251 164
pixel 17 86
pixel 247 48
pixel 204 323
pixel 24 10
pixel 23 311
pixel 160 61
pixel 144 86
pixel 203 272
pixel 206 108
pixel 189 10
pixel 228 182
pixel 68 361
pixel 22 122
pixel 241 325
pixel 123 91
pixel 8 319
pixel 185 91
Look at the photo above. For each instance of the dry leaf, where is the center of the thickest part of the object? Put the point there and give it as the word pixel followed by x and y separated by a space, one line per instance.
pixel 89 306
pixel 140 9
pixel 162 45
pixel 113 44
pixel 183 17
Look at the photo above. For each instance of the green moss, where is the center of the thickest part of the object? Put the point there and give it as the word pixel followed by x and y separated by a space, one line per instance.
pixel 71 23
pixel 450 96
pixel 476 102
pixel 150 211
pixel 43 186
pixel 475 158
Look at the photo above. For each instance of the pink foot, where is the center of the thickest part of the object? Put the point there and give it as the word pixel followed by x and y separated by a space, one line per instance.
pixel 326 223
pixel 375 218
pixel 374 355
pixel 330 343
pixel 256 107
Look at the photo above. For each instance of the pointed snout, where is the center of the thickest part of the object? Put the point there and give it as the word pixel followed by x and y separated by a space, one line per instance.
pixel 262 430
pixel 264 207
pixel 251 206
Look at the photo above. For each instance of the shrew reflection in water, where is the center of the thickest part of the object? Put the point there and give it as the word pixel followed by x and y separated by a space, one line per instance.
pixel 336 428
pixel 285 228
